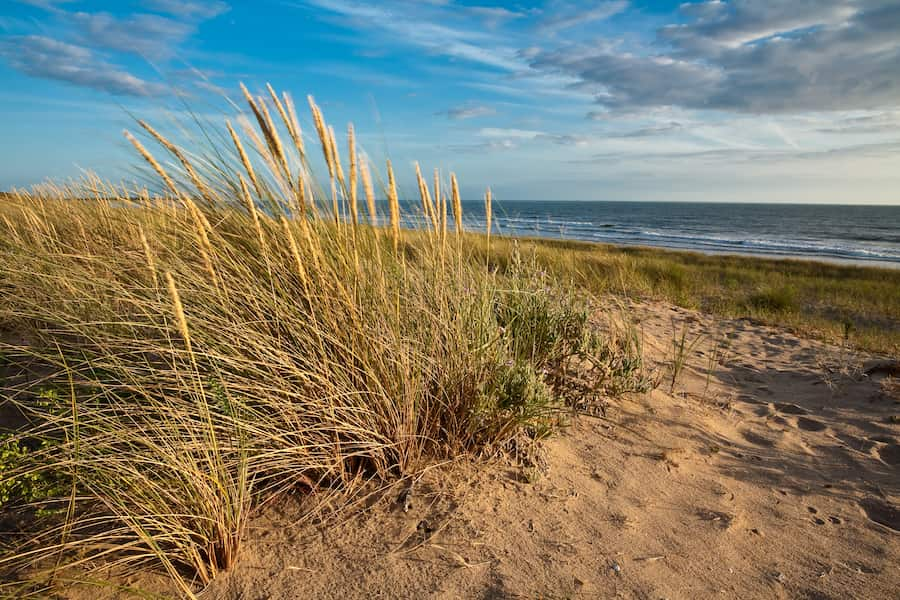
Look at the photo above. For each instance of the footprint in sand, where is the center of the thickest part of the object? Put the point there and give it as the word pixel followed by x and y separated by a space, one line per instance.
pixel 758 440
pixel 781 421
pixel 814 511
pixel 881 512
pixel 790 409
pixel 890 454
pixel 807 424
pixel 860 444
pixel 765 411
pixel 820 521
pixel 722 520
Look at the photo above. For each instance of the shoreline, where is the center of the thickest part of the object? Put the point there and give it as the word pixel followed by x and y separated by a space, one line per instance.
pixel 857 235
pixel 805 258
pixel 789 258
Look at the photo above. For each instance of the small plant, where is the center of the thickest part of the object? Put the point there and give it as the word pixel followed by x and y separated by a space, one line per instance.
pixel 681 350
pixel 847 328
pixel 23 479
pixel 717 354
pixel 13 484
pixel 532 475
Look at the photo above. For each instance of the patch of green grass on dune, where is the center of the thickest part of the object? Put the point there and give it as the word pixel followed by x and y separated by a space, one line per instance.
pixel 818 299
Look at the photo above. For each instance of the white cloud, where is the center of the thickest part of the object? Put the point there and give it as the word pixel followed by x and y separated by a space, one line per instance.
pixel 765 56
pixel 187 9
pixel 739 22
pixel 493 16
pixel 497 132
pixel 152 36
pixel 519 135
pixel 51 59
pixel 46 4
pixel 76 44
pixel 468 112
pixel 407 23
pixel 568 17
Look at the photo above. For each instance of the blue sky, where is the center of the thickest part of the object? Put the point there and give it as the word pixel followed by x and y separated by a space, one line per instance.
pixel 726 100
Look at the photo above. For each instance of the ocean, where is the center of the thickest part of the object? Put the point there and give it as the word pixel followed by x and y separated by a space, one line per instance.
pixel 834 233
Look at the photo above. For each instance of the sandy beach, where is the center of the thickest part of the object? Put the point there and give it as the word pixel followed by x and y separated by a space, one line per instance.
pixel 778 480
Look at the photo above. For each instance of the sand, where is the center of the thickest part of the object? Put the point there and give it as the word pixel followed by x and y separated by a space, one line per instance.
pixel 780 478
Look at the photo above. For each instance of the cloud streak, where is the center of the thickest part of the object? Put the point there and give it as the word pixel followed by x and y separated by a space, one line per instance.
pixel 459 113
pixel 152 36
pixel 76 52
pixel 46 58
pixel 568 17
pixel 407 23
pixel 187 9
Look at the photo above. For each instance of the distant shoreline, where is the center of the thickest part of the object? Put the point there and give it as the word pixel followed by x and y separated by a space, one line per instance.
pixel 835 234
pixel 803 258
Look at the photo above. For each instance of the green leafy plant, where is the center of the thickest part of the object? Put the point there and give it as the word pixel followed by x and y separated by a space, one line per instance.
pixel 23 478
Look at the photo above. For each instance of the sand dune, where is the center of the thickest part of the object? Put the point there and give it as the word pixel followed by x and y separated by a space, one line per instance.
pixel 778 478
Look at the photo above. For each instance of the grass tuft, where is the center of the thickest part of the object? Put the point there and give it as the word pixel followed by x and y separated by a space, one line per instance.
pixel 287 353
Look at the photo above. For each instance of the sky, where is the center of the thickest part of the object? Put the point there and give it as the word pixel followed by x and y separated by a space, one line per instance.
pixel 719 100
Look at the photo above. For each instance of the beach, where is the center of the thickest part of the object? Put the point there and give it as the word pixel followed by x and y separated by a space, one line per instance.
pixel 774 476
pixel 544 300
pixel 851 234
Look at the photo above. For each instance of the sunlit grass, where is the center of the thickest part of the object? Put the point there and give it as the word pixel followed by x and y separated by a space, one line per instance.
pixel 824 300
pixel 178 359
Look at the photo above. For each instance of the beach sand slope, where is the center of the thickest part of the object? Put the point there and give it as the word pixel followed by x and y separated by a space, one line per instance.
pixel 776 476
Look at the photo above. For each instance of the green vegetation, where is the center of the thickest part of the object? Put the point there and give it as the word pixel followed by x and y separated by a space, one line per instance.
pixel 682 349
pixel 25 485
pixel 842 304
pixel 193 355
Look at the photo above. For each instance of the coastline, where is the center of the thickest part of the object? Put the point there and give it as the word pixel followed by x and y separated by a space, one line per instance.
pixel 800 258
pixel 705 357
pixel 840 234
pixel 803 258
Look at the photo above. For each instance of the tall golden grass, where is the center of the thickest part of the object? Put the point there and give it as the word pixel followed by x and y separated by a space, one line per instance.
pixel 180 358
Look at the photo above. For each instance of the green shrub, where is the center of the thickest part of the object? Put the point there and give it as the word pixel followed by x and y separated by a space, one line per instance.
pixel 778 299
pixel 24 478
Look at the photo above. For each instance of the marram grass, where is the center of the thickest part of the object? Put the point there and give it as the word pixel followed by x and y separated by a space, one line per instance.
pixel 177 359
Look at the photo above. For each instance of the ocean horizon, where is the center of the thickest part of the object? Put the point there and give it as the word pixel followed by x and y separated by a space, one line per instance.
pixel 849 234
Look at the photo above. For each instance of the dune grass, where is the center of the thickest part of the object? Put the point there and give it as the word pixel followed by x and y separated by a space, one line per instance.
pixel 845 304
pixel 174 360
